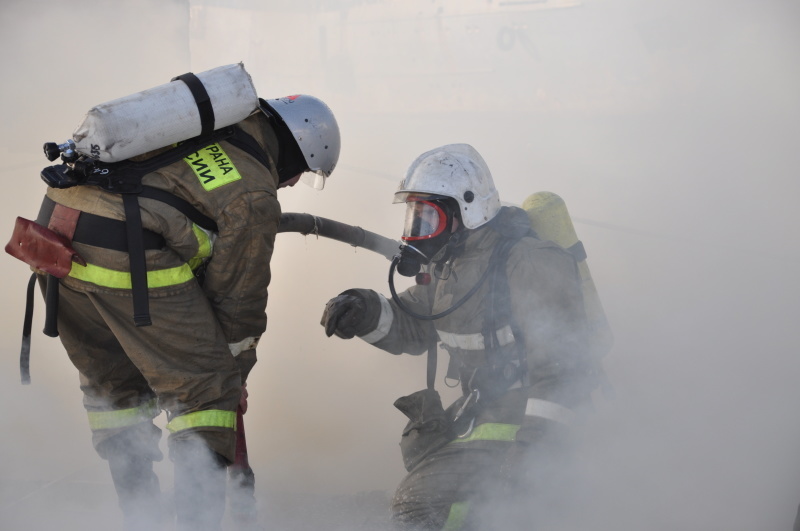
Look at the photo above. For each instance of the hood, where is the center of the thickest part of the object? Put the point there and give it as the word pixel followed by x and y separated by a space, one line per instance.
pixel 511 222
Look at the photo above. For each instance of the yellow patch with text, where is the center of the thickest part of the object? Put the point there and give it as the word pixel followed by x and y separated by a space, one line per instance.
pixel 213 167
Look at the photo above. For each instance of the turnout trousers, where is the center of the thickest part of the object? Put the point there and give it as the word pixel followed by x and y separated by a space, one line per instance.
pixel 449 487
pixel 495 479
pixel 181 364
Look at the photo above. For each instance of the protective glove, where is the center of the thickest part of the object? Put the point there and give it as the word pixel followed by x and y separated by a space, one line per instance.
pixel 346 315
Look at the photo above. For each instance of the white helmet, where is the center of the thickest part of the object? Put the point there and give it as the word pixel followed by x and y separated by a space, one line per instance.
pixel 457 171
pixel 315 129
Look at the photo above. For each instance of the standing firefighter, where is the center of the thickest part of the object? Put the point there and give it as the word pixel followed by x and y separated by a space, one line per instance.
pixel 508 308
pixel 208 225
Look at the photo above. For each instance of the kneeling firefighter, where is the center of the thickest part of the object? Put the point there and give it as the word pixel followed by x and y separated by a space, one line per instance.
pixel 508 309
pixel 185 340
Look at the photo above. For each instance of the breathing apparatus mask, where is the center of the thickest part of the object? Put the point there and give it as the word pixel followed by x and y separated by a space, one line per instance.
pixel 429 236
pixel 428 228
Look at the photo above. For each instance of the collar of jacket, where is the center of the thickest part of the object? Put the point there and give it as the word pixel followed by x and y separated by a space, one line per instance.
pixel 257 126
pixel 510 222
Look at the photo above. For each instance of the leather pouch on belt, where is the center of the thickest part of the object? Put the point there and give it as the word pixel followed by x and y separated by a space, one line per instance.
pixel 428 429
pixel 42 248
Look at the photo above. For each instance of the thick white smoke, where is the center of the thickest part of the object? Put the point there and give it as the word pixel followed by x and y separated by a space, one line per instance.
pixel 669 128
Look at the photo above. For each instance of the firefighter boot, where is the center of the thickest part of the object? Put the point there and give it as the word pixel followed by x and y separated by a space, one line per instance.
pixel 241 498
pixel 138 491
pixel 130 454
pixel 200 485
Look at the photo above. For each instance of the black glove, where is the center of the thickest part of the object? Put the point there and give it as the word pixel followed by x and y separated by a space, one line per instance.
pixel 345 315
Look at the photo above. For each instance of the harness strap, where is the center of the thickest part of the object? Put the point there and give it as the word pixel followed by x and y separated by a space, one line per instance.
pixel 51 307
pixel 138 264
pixel 184 207
pixel 486 383
pixel 249 145
pixel 125 177
pixel 27 324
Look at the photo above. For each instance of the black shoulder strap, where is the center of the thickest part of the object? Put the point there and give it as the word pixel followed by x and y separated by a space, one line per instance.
pixel 498 312
pixel 249 145
pixel 494 271
pixel 184 207
pixel 138 264
pixel 27 324
pixel 125 177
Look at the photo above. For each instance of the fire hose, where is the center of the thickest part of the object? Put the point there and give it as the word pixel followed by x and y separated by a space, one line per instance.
pixel 356 236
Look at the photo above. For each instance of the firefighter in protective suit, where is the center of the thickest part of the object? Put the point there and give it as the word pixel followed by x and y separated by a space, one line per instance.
pixel 193 360
pixel 508 309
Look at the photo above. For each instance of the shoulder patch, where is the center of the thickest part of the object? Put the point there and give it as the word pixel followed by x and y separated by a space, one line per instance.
pixel 213 167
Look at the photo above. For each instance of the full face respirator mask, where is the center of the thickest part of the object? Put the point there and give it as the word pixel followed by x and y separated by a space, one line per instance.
pixel 427 229
pixel 428 236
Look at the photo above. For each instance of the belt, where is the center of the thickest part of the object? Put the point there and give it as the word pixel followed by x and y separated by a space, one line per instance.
pixel 99 231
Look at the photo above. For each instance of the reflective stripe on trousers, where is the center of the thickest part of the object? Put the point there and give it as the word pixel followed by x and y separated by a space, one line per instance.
pixel 122 418
pixel 456 517
pixel 211 418
pixel 490 431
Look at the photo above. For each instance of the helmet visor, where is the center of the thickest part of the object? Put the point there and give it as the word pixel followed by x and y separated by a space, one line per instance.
pixel 313 179
pixel 424 220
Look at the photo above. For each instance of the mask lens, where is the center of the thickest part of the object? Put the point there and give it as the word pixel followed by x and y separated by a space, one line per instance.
pixel 423 220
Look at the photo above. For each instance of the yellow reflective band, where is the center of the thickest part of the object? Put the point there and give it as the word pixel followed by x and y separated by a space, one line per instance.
pixel 110 278
pixel 457 516
pixel 491 432
pixel 213 167
pixel 204 247
pixel 215 418
pixel 204 242
pixel 122 418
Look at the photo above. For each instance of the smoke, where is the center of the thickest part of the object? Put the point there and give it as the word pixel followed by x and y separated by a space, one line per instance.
pixel 669 128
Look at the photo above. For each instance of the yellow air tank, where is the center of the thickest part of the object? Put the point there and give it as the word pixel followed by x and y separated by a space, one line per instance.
pixel 551 221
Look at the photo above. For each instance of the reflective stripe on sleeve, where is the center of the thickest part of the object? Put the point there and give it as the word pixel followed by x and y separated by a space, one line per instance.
pixel 491 431
pixel 211 418
pixel 474 341
pixel 244 344
pixel 110 278
pixel 548 410
pixel 122 418
pixel 384 322
pixel 205 245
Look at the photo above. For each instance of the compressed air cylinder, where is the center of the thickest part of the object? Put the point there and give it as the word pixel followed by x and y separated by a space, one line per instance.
pixel 551 221
pixel 160 116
